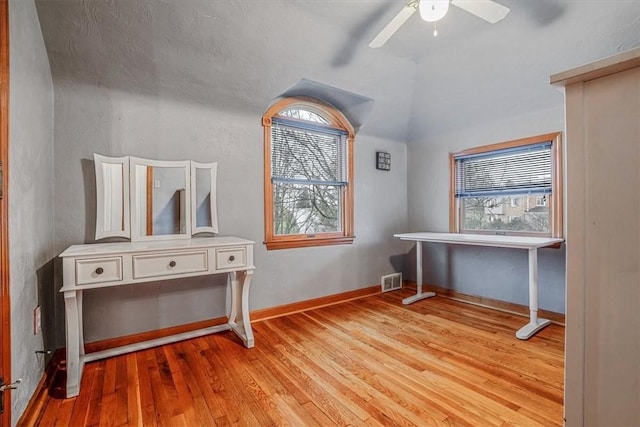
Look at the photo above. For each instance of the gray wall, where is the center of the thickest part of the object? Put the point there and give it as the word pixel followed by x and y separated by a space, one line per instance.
pixel 93 119
pixel 31 200
pixel 487 272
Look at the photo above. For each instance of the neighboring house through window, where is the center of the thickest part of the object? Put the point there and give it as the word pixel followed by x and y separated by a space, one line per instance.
pixel 513 187
pixel 308 182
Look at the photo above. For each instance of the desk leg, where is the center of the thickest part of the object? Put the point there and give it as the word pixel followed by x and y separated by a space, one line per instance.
pixel 419 294
pixel 535 324
pixel 239 320
pixel 73 305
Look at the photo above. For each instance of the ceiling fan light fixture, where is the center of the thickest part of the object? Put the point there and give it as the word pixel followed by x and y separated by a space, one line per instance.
pixel 433 10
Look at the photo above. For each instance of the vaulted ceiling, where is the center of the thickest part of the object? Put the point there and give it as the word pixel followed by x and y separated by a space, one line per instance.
pixel 240 55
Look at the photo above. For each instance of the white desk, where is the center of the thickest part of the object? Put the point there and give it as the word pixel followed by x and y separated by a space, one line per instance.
pixel 530 243
pixel 102 265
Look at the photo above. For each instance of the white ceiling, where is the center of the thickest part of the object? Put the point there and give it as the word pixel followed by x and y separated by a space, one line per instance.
pixel 239 55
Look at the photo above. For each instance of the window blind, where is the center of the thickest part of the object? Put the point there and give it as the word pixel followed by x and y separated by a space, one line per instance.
pixel 303 153
pixel 521 170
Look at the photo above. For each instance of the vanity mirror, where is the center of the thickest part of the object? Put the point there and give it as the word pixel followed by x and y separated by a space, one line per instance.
pixel 112 188
pixel 146 199
pixel 159 194
pixel 204 216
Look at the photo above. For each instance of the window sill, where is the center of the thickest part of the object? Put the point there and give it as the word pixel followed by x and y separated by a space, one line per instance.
pixel 306 243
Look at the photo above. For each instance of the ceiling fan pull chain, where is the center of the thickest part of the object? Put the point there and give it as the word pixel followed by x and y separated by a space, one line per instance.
pixel 435 29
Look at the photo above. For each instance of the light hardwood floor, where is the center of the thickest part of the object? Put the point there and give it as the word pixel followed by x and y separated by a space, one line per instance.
pixel 370 361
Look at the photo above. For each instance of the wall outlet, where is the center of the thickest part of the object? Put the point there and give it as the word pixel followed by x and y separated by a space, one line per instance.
pixel 37 320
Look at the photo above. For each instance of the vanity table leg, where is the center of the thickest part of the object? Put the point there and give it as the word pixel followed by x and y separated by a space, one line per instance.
pixel 80 324
pixel 239 320
pixel 535 324
pixel 72 304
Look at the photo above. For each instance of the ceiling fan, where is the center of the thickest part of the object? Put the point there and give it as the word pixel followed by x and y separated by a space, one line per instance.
pixel 434 10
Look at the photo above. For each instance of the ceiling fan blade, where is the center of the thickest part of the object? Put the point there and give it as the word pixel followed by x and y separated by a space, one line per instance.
pixel 392 26
pixel 486 9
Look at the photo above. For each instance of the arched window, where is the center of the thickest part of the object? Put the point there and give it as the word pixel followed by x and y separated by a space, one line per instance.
pixel 308 175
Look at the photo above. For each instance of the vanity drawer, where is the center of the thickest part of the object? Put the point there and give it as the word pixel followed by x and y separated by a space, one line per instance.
pixel 98 270
pixel 158 265
pixel 231 257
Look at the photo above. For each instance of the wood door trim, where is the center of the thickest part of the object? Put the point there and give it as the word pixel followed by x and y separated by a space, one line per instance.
pixel 5 307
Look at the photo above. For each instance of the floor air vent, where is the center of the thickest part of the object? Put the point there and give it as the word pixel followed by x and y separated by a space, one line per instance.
pixel 391 282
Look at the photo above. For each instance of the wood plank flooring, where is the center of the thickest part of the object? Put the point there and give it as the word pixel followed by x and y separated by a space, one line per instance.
pixel 368 362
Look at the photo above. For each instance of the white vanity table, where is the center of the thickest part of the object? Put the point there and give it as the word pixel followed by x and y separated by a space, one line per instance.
pixel 174 254
pixel 115 264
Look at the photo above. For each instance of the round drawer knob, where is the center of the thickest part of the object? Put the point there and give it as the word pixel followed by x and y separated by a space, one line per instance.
pixel 172 264
pixel 99 270
pixel 231 258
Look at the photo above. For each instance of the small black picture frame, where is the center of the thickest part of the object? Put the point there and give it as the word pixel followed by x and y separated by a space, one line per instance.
pixel 383 161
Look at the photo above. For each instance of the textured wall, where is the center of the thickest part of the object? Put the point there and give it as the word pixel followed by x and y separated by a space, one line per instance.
pixel 91 119
pixel 31 201
pixel 503 70
pixel 488 272
pixel 231 55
